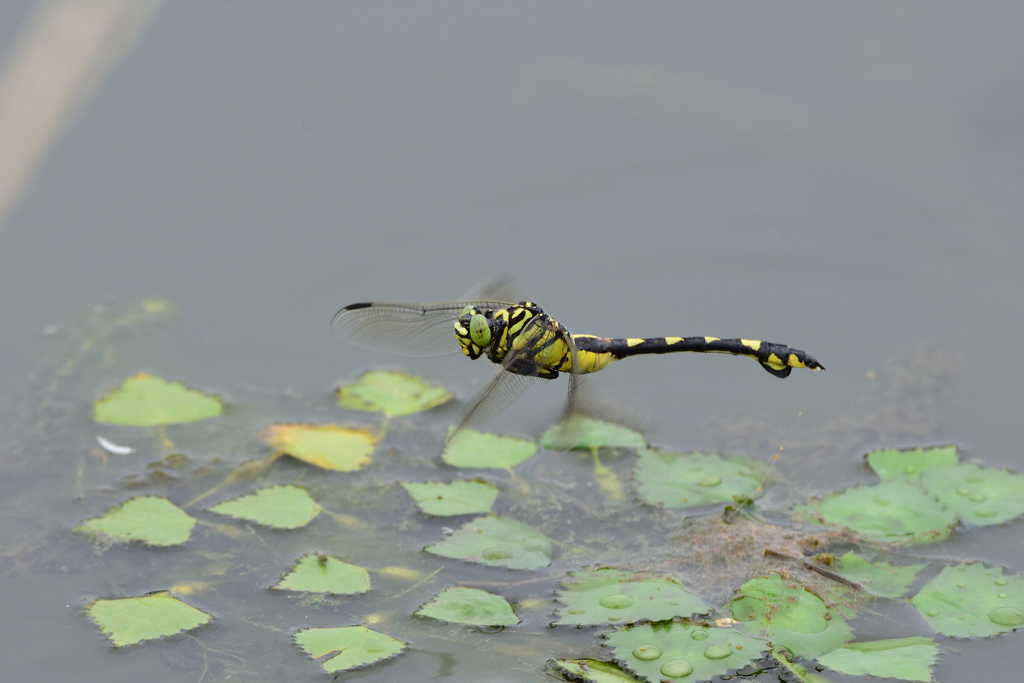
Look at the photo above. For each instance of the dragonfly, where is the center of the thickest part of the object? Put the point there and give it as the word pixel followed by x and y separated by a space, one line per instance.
pixel 526 342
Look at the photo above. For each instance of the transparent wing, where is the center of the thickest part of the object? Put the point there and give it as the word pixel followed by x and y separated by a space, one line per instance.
pixel 406 329
pixel 502 287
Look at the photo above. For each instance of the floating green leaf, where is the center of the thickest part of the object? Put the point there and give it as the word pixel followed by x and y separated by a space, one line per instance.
pixel 330 446
pixel 392 393
pixel 150 519
pixel 606 595
pixel 469 606
pixel 680 480
pixel 675 651
pixel 586 433
pixel 877 578
pixel 890 463
pixel 791 616
pixel 894 511
pixel 909 659
pixel 132 620
pixel 320 573
pixel 470 448
pixel 357 646
pixel 594 671
pixel 280 507
pixel 497 542
pixel 145 400
pixel 978 494
pixel 456 498
pixel 968 600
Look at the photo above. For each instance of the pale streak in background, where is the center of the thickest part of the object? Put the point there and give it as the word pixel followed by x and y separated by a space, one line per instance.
pixel 63 52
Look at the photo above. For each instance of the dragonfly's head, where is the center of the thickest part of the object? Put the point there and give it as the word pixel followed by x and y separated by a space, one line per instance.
pixel 475 330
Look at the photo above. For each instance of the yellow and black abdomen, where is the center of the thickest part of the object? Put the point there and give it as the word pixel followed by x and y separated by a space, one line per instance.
pixel 595 353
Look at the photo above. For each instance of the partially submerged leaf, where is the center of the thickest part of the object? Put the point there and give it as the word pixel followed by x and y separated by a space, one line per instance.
pixel 877 578
pixel 320 573
pixel 146 400
pixel 682 651
pixel 470 448
pixel 968 600
pixel 579 432
pixel 909 659
pixel 789 615
pixel 594 671
pixel 605 595
pixel 456 498
pixel 978 494
pixel 894 511
pixel 329 446
pixel 469 606
pixel 392 393
pixel 497 542
pixel 280 507
pixel 131 620
pixel 680 480
pixel 150 519
pixel 890 463
pixel 357 646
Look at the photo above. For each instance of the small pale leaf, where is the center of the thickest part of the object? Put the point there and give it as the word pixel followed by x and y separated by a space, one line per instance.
pixel 280 507
pixel 908 659
pixel 469 606
pixel 681 480
pixel 877 578
pixel 613 596
pixel 145 401
pixel 470 448
pixel 968 600
pixel 131 620
pixel 456 498
pixel 357 646
pixel 890 463
pixel 579 432
pixel 980 495
pixel 392 393
pixel 150 519
pixel 329 446
pixel 497 542
pixel 319 573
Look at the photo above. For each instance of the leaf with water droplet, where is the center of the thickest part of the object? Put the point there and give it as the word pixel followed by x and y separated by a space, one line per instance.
pixel 681 480
pixel 878 578
pixel 470 448
pixel 909 659
pixel 393 393
pixel 894 511
pixel 892 463
pixel 496 542
pixel 131 620
pixel 321 573
pixel 594 671
pixel 150 519
pixel 606 595
pixel 586 433
pixel 456 498
pixel 146 401
pixel 469 606
pixel 328 446
pixel 279 507
pixel 968 600
pixel 670 650
pixel 789 615
pixel 980 495
pixel 357 646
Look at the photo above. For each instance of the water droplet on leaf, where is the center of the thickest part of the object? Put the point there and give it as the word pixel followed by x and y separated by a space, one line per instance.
pixel 699 635
pixel 617 601
pixel 677 668
pixel 647 652
pixel 711 480
pixel 496 554
pixel 717 652
pixel 977 497
pixel 1006 616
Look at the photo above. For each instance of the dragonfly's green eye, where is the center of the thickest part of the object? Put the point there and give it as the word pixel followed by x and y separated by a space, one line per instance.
pixel 480 330
pixel 467 309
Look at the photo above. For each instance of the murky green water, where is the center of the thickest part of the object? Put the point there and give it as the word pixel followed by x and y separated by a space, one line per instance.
pixel 843 179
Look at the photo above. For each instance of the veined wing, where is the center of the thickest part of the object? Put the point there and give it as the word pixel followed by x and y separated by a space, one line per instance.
pixel 406 329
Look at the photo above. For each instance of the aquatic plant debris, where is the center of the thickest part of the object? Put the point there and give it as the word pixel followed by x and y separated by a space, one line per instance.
pixel 891 463
pixel 496 542
pixel 131 620
pixel 878 578
pixel 470 448
pixel 681 480
pixel 677 651
pixel 357 646
pixel 605 595
pixel 455 498
pixel 279 507
pixel 147 400
pixel 470 606
pixel 328 446
pixel 968 600
pixel 150 519
pixel 908 659
pixel 789 615
pixel 587 433
pixel 594 671
pixel 980 495
pixel 894 511
pixel 393 393
pixel 322 573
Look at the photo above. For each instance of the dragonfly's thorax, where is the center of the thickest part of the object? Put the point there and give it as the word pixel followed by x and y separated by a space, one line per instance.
pixel 495 332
